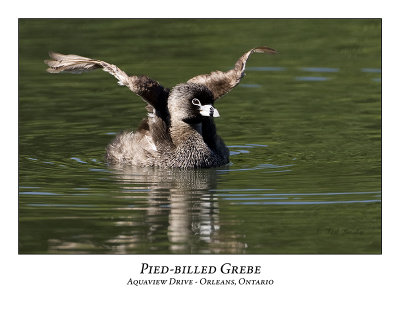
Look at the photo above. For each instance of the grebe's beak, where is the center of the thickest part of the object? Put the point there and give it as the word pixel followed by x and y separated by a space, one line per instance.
pixel 208 111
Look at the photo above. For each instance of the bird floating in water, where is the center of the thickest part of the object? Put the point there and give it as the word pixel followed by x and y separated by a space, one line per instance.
pixel 179 130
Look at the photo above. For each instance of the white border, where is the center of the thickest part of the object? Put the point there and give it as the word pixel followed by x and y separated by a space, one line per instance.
pixel 332 281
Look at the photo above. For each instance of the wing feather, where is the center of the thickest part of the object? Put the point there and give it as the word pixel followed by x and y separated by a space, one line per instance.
pixel 151 91
pixel 221 83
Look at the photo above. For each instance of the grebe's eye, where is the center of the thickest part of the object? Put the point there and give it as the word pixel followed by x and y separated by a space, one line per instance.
pixel 196 102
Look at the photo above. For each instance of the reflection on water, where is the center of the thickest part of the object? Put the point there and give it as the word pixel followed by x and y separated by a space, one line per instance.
pixel 186 211
pixel 189 207
pixel 180 204
pixel 303 130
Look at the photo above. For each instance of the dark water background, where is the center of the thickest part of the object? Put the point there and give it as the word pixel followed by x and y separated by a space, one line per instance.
pixel 303 127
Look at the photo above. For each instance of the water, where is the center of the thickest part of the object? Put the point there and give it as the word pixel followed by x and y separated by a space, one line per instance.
pixel 303 129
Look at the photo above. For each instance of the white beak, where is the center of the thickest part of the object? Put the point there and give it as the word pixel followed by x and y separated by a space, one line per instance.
pixel 208 111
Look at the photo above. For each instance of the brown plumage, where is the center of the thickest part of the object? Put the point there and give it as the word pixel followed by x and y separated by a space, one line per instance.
pixel 221 83
pixel 179 130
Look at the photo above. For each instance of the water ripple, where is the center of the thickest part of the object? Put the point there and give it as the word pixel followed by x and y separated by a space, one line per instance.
pixel 371 70
pixel 37 193
pixel 78 160
pixel 297 194
pixel 315 69
pixel 254 197
pixel 312 78
pixel 267 69
pixel 310 202
pixel 250 85
pixel 239 151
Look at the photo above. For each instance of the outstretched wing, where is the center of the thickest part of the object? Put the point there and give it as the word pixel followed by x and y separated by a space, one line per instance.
pixel 151 91
pixel 220 83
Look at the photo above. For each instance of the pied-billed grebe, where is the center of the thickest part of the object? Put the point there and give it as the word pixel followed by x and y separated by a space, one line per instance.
pixel 179 130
